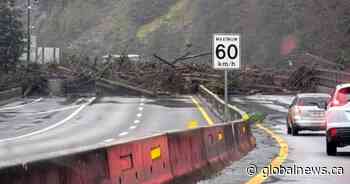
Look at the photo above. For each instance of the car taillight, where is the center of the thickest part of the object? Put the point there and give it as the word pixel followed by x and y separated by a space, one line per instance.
pixel 333 132
pixel 297 113
pixel 336 102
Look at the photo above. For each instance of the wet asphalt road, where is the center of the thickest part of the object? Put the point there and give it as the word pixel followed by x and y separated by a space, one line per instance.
pixel 32 129
pixel 306 150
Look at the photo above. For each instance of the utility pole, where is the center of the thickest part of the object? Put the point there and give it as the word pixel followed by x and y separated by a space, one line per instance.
pixel 28 31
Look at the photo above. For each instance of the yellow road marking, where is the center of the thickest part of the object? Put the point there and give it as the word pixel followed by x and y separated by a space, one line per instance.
pixel 192 124
pixel 276 162
pixel 204 114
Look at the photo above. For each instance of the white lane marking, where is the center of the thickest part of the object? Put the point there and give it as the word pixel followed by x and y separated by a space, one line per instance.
pixel 109 140
pixel 132 127
pixel 123 134
pixel 142 99
pixel 142 104
pixel 140 108
pixel 139 115
pixel 52 126
pixel 19 106
pixel 137 121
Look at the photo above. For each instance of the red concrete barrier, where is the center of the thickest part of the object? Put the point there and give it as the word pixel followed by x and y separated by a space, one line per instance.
pixel 239 138
pixel 251 139
pixel 157 159
pixel 214 143
pixel 244 137
pixel 142 161
pixel 186 152
pixel 86 168
pixel 198 154
pixel 231 146
pixel 125 163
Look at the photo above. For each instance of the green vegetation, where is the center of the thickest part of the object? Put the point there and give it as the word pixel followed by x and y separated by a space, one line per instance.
pixel 166 26
pixel 175 14
pixel 11 35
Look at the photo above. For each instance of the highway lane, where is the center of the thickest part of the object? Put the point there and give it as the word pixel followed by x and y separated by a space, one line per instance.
pixel 105 120
pixel 306 150
pixel 29 115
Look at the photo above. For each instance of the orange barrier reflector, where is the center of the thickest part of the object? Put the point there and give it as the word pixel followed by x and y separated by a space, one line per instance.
pixel 155 153
pixel 220 136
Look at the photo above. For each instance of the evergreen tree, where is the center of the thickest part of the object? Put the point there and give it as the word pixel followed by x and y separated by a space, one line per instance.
pixel 11 34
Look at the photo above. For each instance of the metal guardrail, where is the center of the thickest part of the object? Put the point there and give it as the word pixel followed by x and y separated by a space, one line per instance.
pixel 216 103
pixel 330 78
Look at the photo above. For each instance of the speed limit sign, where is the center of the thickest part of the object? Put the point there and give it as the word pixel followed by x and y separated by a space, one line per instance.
pixel 226 51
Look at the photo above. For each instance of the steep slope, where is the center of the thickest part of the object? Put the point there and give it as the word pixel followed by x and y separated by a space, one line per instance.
pixel 166 27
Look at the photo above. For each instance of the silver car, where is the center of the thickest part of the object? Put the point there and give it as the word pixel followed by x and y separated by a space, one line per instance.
pixel 307 112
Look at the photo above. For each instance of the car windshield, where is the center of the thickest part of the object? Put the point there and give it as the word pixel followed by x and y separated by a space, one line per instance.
pixel 313 101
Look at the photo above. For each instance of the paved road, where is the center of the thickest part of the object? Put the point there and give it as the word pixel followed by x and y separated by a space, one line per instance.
pixel 305 150
pixel 36 128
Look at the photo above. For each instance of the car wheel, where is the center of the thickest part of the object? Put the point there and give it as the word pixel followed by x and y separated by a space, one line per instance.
pixel 289 130
pixel 331 148
pixel 295 131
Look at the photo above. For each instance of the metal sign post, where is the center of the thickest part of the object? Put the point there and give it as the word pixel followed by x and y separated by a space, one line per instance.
pixel 226 97
pixel 226 56
pixel 28 32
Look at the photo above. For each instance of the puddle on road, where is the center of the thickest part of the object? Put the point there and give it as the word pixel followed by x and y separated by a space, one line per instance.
pixel 24 126
pixel 7 115
pixel 48 116
pixel 38 122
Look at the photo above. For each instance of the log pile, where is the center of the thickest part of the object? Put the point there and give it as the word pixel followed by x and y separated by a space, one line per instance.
pixel 160 76
pixel 302 79
pixel 182 75
pixel 178 76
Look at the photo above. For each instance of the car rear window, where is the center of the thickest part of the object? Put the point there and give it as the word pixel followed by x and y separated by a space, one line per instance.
pixel 343 95
pixel 313 101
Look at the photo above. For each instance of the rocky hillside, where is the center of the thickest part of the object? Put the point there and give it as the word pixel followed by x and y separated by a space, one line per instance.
pixel 172 27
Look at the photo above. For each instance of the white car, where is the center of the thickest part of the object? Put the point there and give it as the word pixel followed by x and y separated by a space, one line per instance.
pixel 338 128
pixel 339 96
pixel 338 119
